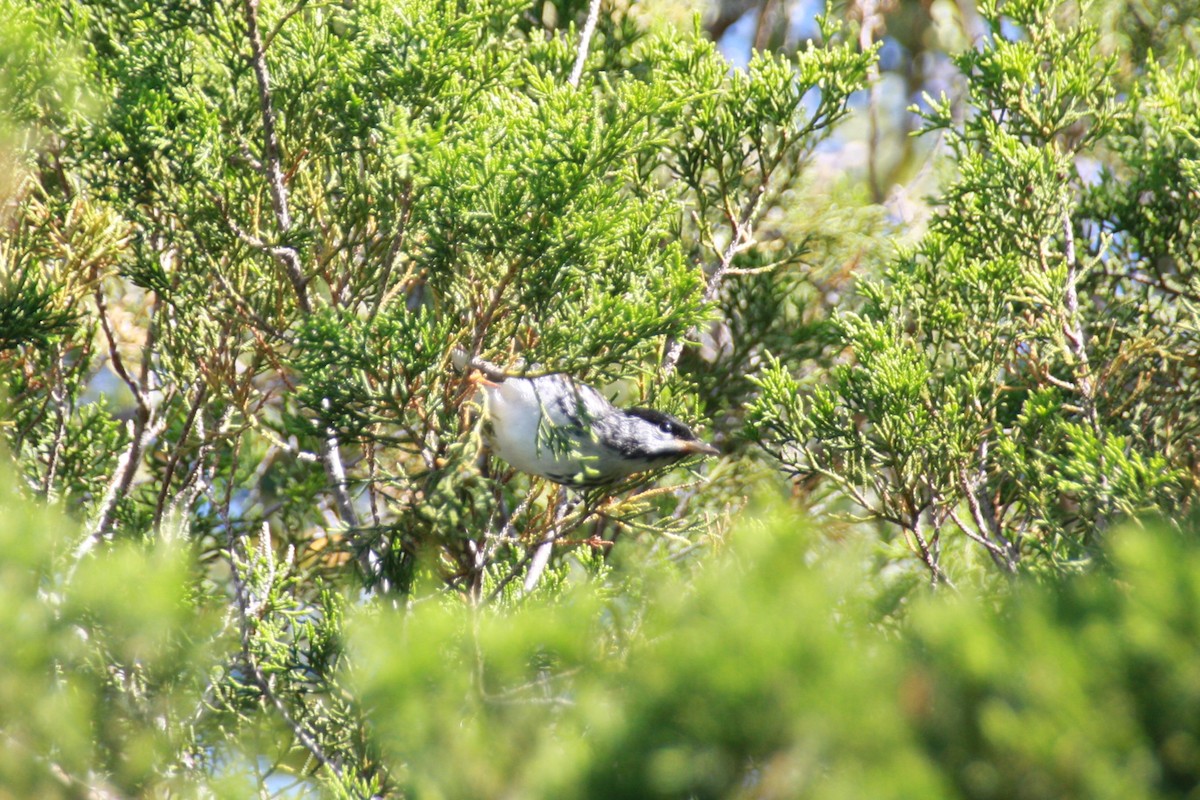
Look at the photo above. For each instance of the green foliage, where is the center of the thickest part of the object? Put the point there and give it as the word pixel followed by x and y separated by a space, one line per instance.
pixel 762 676
pixel 1081 687
pixel 97 691
pixel 1008 378
pixel 239 243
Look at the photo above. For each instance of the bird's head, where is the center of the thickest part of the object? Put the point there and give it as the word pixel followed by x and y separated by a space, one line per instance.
pixel 656 439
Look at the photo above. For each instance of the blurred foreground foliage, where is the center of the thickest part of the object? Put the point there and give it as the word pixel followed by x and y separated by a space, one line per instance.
pixel 771 672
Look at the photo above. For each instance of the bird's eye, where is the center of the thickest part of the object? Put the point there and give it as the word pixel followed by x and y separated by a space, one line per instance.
pixel 667 427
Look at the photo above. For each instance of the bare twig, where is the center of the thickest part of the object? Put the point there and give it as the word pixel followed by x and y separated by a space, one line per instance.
pixel 928 556
pixel 293 11
pixel 114 355
pixel 288 258
pixel 331 456
pixel 1073 328
pixel 999 546
pixel 541 556
pixel 142 435
pixel 177 452
pixel 143 429
pixel 742 231
pixel 58 398
pixel 869 11
pixel 585 39
pixel 1076 340
pixel 991 547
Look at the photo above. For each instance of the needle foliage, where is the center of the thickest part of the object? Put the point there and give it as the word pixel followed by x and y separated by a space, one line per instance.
pixel 254 544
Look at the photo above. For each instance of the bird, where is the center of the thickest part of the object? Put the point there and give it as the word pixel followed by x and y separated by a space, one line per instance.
pixel 563 430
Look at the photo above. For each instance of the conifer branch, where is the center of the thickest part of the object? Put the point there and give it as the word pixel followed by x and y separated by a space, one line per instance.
pixel 177 452
pixel 331 456
pixel 288 258
pixel 1076 340
pixel 741 235
pixel 245 610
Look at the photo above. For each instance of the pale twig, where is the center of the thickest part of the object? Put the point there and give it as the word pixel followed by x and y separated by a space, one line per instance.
pixel 142 431
pixel 585 38
pixel 741 233
pixel 331 456
pixel 288 258
pixel 58 398
pixel 992 537
pixel 541 556
pixel 141 437
pixel 1077 341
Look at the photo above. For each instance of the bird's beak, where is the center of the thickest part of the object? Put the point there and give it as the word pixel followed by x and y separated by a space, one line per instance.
pixel 699 448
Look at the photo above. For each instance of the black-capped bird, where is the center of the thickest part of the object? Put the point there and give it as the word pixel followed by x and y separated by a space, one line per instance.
pixel 564 430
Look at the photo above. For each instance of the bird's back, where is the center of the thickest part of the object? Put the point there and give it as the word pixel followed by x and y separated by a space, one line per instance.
pixel 543 425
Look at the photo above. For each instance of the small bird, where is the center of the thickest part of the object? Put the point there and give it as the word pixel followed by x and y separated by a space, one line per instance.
pixel 564 430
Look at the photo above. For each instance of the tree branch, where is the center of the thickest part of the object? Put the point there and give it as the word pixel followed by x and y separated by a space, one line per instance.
pixel 1077 342
pixel 740 236
pixel 331 456
pixel 177 452
pixel 585 39
pixel 242 592
pixel 288 258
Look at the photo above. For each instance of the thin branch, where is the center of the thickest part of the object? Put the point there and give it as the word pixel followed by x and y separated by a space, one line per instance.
pixel 242 592
pixel 143 430
pixel 585 39
pixel 483 553
pixel 393 252
pixel 142 435
pixel 1077 341
pixel 293 11
pixel 928 556
pixel 983 512
pixel 541 556
pixel 869 12
pixel 331 456
pixel 118 364
pixel 741 234
pixel 58 398
pixel 558 530
pixel 1072 327
pixel 272 164
pixel 993 550
pixel 177 452
pixel 540 559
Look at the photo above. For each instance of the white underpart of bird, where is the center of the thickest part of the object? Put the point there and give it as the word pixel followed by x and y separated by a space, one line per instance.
pixel 566 431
